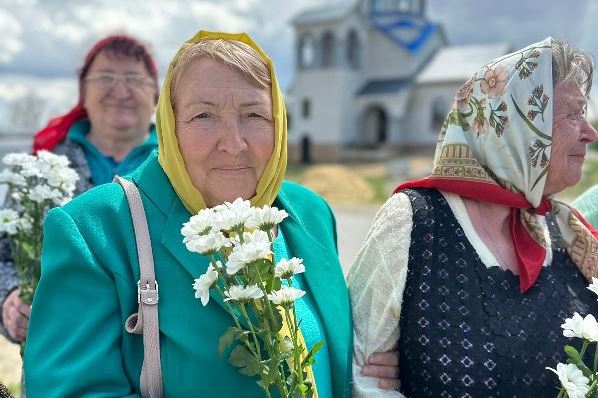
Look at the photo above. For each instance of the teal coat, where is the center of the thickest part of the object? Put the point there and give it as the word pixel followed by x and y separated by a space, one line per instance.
pixel 77 345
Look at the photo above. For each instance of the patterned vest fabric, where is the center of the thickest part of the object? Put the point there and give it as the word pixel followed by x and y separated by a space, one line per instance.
pixel 466 330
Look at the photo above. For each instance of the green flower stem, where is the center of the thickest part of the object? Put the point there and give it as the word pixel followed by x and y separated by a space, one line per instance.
pixel 584 347
pixel 229 308
pixel 595 367
pixel 561 393
pixel 592 388
pixel 251 328
pixel 271 348
pixel 292 322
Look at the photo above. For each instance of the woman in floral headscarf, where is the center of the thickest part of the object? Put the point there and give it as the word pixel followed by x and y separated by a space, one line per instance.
pixel 471 271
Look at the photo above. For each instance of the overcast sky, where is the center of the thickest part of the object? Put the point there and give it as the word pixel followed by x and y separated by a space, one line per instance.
pixel 44 41
pixel 49 37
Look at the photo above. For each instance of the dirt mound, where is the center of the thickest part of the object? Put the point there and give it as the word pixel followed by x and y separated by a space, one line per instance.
pixel 338 184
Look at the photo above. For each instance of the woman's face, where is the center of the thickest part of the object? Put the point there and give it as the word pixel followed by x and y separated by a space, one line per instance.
pixel 571 134
pixel 119 94
pixel 225 130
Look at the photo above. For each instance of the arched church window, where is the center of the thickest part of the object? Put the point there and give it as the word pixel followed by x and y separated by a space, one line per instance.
pixel 306 51
pixel 328 49
pixel 353 50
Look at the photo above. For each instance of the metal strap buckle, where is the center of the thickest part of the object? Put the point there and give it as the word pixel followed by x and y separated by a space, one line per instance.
pixel 147 287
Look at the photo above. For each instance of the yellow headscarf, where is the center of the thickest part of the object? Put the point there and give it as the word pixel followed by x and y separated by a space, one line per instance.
pixel 169 154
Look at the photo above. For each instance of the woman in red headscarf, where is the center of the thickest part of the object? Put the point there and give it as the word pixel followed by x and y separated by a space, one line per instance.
pixel 108 132
pixel 471 271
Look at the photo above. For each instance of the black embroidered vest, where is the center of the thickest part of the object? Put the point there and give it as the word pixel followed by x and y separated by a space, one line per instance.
pixel 466 330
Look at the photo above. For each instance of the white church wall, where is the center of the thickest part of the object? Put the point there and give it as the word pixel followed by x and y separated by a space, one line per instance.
pixel 387 60
pixel 329 94
pixel 420 128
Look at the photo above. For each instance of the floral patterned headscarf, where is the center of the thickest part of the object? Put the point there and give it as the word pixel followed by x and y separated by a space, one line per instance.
pixel 495 147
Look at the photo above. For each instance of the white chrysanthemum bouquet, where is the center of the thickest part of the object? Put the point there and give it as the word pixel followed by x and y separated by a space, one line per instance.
pixel 257 294
pixel 35 184
pixel 577 379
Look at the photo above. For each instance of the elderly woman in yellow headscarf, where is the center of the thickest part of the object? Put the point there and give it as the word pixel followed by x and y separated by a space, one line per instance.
pixel 222 135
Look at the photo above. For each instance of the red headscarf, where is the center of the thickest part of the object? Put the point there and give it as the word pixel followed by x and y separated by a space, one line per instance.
pixel 58 127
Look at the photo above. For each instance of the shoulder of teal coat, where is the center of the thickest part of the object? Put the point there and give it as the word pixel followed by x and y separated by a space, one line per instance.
pixel 308 207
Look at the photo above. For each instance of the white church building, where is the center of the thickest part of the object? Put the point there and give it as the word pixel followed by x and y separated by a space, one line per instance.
pixel 373 77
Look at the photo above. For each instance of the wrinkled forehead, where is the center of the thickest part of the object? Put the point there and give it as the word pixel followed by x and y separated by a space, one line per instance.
pixel 212 82
pixel 568 97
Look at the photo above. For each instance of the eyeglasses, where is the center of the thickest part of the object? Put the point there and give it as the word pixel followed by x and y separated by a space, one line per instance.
pixel 107 80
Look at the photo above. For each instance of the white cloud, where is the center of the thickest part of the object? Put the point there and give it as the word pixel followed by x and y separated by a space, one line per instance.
pixel 11 42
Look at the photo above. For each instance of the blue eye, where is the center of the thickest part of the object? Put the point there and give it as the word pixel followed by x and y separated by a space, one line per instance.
pixel 253 115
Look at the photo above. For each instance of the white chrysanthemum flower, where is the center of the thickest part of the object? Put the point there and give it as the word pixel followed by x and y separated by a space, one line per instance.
pixel 63 178
pixel 256 236
pixel 576 326
pixel 31 169
pixel 18 159
pixel 594 285
pixel 240 293
pixel 207 244
pixel 572 380
pixel 43 192
pixel 204 283
pixel 287 268
pixel 231 216
pixel 199 224
pixel 53 160
pixel 286 295
pixel 256 246
pixel 9 177
pixel 9 221
pixel 266 218
pixel 25 224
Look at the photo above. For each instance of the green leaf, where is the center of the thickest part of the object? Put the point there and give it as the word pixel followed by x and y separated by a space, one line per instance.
pixel 575 358
pixel 308 359
pixel 241 358
pixel 232 333
pixel 276 321
pixel 572 353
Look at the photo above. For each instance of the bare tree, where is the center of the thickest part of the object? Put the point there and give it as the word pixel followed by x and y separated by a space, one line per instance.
pixel 26 112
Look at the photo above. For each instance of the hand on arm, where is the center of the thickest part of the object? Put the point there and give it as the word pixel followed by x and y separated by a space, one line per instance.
pixel 15 316
pixel 384 366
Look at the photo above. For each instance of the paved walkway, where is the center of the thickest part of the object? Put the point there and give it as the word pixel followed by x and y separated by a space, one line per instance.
pixel 352 224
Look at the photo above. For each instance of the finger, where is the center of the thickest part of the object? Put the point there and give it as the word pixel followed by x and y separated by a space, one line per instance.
pixel 20 333
pixel 387 372
pixel 24 309
pixel 389 384
pixel 23 322
pixel 390 358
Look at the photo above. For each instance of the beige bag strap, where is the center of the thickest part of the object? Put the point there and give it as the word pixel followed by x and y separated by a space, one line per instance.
pixel 145 321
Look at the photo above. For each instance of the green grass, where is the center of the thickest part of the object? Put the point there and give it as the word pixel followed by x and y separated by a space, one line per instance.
pixel 379 184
